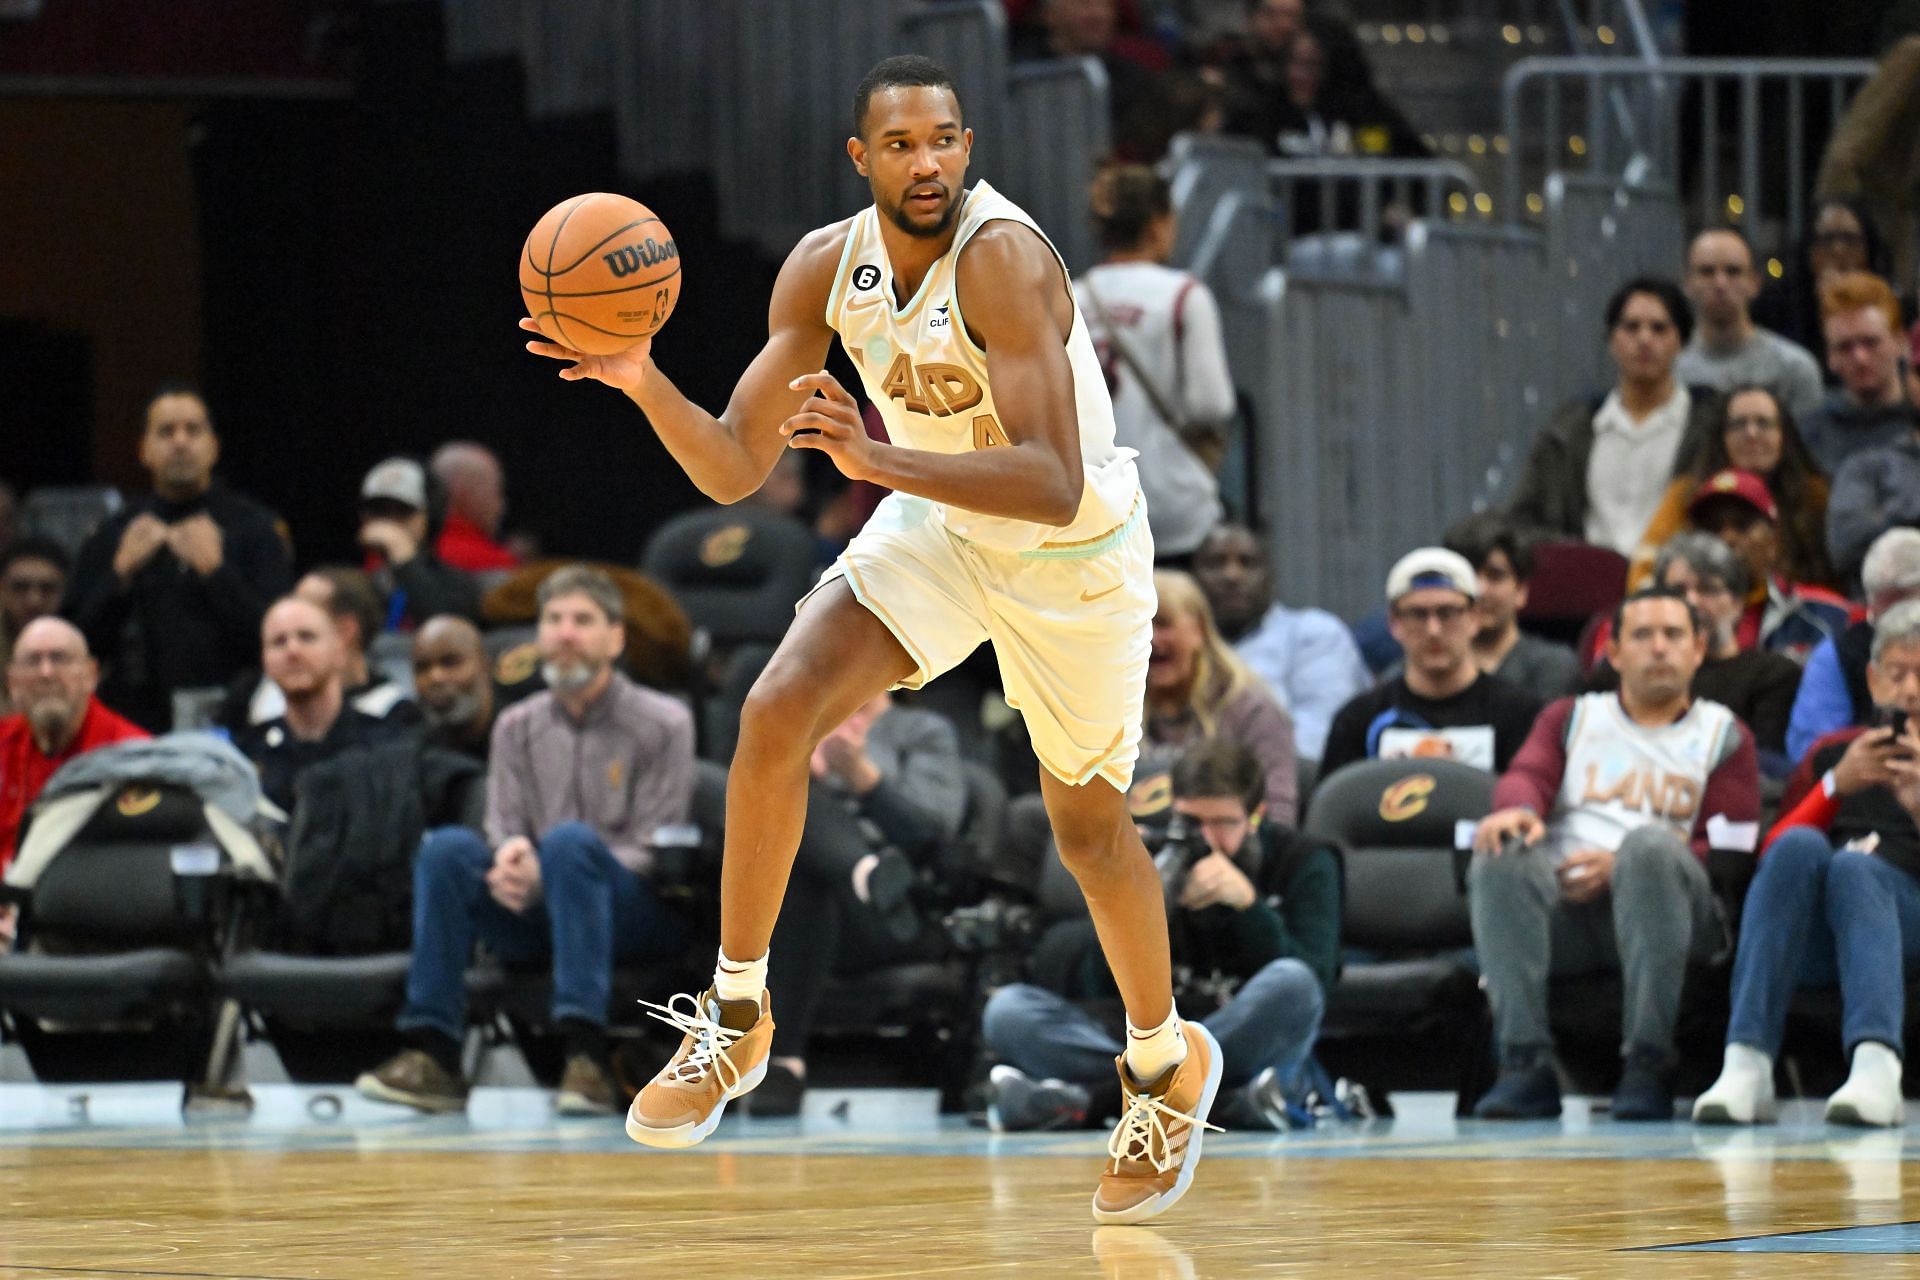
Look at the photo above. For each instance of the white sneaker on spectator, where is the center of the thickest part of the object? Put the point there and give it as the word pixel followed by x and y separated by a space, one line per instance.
pixel 1744 1092
pixel 1871 1096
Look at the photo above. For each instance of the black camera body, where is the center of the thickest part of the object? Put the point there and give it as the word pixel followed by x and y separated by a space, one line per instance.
pixel 1181 847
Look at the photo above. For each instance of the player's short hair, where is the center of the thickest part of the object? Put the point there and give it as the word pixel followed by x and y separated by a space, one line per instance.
pixel 1662 290
pixel 902 70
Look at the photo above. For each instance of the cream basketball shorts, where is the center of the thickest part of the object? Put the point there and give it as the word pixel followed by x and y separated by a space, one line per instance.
pixel 1070 623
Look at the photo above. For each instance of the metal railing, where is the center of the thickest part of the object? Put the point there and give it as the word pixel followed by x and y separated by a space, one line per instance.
pixel 1059 130
pixel 1624 118
pixel 1599 26
pixel 1328 194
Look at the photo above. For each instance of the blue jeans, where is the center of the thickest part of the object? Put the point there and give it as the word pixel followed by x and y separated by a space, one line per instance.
pixel 1813 916
pixel 592 912
pixel 1270 1022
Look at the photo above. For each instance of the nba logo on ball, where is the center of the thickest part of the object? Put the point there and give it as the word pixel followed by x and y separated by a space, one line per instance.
pixel 599 272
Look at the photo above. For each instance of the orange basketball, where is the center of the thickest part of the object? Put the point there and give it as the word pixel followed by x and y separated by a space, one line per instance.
pixel 599 273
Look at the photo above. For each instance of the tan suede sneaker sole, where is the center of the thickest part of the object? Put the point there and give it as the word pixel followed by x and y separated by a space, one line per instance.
pixel 1156 1147
pixel 714 1065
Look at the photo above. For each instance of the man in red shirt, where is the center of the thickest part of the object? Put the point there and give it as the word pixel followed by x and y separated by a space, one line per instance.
pixel 476 503
pixel 51 678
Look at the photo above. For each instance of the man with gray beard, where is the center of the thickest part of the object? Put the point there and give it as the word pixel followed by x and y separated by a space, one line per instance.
pixel 580 778
pixel 51 678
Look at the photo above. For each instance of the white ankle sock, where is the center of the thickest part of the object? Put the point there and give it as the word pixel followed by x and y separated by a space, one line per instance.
pixel 738 979
pixel 1152 1051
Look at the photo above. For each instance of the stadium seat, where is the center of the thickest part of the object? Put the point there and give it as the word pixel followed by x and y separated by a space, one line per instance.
pixel 737 571
pixel 1405 930
pixel 68 514
pixel 124 922
pixel 1572 583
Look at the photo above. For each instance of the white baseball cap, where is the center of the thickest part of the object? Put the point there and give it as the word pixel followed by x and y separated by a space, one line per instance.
pixel 397 480
pixel 1432 567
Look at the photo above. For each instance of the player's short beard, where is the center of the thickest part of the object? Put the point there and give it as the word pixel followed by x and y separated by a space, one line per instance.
pixel 898 216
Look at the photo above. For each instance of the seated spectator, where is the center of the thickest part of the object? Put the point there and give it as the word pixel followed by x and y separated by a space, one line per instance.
pixel 1834 901
pixel 1198 688
pixel 888 794
pixel 580 778
pixel 170 589
pixel 1306 657
pixel 1502 561
pixel 1598 468
pixel 1441 704
pixel 1253 908
pixel 1861 320
pixel 1596 858
pixel 458 698
pixel 33 580
pixel 1843 237
pixel 302 653
pixel 1331 106
pixel 1728 349
pixel 400 512
pixel 348 597
pixel 476 503
pixel 1755 684
pixel 1779 614
pixel 1755 433
pixel 1158 334
pixel 1833 691
pixel 51 679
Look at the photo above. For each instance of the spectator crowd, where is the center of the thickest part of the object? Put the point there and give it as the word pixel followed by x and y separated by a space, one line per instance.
pixel 1718 767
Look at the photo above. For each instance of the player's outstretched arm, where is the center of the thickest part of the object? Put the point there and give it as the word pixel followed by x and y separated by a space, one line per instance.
pixel 1014 300
pixel 730 456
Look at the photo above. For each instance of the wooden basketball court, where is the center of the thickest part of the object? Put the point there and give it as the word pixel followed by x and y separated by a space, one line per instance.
pixel 109 1181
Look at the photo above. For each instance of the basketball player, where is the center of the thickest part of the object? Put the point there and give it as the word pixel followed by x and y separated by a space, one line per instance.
pixel 1013 518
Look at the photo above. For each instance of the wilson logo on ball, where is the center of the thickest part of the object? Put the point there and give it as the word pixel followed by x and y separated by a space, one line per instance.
pixel 628 259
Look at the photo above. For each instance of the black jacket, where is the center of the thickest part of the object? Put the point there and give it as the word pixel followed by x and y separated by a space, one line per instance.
pixel 169 628
pixel 348 885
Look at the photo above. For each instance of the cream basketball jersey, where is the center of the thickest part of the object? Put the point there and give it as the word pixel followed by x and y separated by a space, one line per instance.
pixel 929 380
pixel 1621 776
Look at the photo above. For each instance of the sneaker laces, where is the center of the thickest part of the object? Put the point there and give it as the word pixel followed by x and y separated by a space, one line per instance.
pixel 711 1040
pixel 1144 1127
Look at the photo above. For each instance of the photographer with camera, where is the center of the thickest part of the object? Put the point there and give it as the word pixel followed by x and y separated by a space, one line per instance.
pixel 1837 898
pixel 1254 910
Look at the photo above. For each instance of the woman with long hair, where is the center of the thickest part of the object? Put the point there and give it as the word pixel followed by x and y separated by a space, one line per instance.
pixel 1755 432
pixel 1197 687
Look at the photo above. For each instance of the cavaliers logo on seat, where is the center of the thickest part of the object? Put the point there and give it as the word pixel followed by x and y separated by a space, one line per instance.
pixel 1406 798
pixel 724 545
pixel 136 800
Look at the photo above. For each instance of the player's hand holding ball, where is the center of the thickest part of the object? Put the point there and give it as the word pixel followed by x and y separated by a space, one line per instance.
pixel 599 275
pixel 830 422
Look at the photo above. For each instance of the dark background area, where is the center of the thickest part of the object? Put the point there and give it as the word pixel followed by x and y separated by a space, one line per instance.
pixel 333 260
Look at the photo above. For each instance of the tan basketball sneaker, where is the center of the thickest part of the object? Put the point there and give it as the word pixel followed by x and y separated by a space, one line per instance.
pixel 1156 1146
pixel 723 1055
